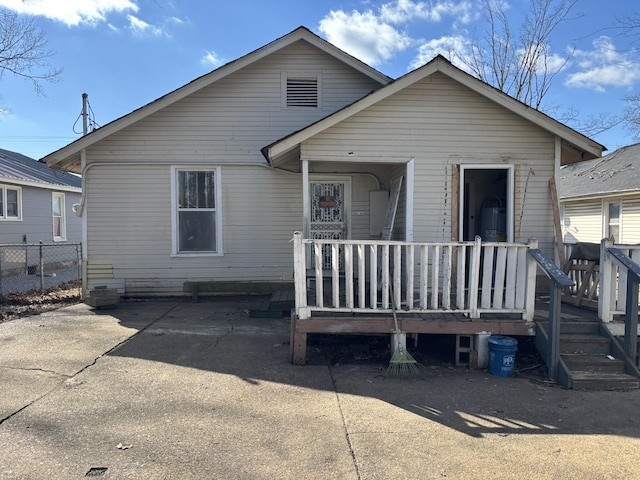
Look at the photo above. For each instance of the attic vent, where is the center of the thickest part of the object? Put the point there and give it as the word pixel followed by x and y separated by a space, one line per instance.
pixel 302 92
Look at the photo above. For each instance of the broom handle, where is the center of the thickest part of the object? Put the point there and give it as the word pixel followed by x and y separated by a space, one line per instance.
pixel 393 307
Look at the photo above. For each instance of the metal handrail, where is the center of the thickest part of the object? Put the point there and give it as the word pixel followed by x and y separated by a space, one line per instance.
pixel 559 280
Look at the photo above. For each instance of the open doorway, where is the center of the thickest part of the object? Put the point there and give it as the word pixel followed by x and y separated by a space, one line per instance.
pixel 486 206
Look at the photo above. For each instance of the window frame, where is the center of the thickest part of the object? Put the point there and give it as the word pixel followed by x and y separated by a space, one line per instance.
pixel 175 211
pixel 63 217
pixel 286 76
pixel 607 219
pixel 4 205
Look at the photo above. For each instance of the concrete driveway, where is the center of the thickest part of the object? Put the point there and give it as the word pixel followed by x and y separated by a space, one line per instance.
pixel 171 390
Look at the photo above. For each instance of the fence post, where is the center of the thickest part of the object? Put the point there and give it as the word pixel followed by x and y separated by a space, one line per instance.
pixel 41 268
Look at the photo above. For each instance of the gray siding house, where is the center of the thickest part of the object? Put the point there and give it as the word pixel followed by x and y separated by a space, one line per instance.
pixel 209 182
pixel 36 202
pixel 600 198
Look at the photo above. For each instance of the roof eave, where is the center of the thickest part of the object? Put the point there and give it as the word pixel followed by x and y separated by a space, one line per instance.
pixel 58 158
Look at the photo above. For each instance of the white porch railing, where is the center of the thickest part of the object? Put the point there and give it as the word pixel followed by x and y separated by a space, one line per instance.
pixel 369 276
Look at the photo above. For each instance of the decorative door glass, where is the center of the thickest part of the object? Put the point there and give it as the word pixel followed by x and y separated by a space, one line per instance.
pixel 328 219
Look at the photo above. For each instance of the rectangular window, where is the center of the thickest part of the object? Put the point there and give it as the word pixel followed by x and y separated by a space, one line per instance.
pixel 10 203
pixel 613 222
pixel 197 216
pixel 59 223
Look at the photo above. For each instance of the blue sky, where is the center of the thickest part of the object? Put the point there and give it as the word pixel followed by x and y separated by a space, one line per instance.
pixel 126 53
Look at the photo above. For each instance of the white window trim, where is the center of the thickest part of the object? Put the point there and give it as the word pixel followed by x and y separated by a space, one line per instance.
pixel 63 213
pixel 302 76
pixel 174 211
pixel 3 213
pixel 606 224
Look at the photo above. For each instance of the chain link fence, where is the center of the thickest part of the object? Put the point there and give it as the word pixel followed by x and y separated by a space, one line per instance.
pixel 25 267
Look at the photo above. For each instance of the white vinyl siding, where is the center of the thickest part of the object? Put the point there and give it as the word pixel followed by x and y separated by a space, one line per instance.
pixel 630 232
pixel 59 217
pixel 439 124
pixel 10 202
pixel 583 221
pixel 225 124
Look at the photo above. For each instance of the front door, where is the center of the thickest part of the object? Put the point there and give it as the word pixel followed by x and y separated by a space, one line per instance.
pixel 329 216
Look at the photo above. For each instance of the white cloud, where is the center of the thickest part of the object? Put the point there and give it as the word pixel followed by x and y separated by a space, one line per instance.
pixel 452 48
pixel 212 58
pixel 402 11
pixel 375 36
pixel 364 35
pixel 71 12
pixel 604 66
pixel 140 27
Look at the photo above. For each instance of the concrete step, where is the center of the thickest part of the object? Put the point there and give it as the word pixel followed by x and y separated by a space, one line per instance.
pixel 595 363
pixel 603 381
pixel 584 343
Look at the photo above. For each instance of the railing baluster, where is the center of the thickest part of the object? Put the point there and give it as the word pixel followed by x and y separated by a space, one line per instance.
pixel 498 285
pixel 461 260
pixel 446 280
pixel 373 277
pixel 362 280
pixel 487 277
pixel 510 290
pixel 348 275
pixel 435 276
pixel 397 278
pixel 424 276
pixel 317 248
pixel 410 275
pixel 335 274
pixel 385 277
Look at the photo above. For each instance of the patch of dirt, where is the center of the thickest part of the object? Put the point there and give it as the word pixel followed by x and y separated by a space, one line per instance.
pixel 33 302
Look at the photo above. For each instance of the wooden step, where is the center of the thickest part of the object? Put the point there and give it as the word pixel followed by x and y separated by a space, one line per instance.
pixel 574 327
pixel 584 343
pixel 603 381
pixel 595 363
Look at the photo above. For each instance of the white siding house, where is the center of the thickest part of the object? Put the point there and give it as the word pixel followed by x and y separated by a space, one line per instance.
pixel 209 182
pixel 36 202
pixel 600 198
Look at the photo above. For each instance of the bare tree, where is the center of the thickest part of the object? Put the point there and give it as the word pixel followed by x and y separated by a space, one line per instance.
pixel 23 51
pixel 519 61
pixel 630 26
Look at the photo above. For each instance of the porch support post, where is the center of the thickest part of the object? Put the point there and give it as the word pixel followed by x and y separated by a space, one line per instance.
pixel 474 280
pixel 532 271
pixel 606 282
pixel 631 318
pixel 553 354
pixel 299 275
pixel 305 199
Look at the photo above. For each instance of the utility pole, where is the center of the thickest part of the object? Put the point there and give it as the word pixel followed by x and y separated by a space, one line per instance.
pixel 84 113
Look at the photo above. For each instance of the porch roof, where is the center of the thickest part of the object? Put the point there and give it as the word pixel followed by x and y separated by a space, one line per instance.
pixel 277 152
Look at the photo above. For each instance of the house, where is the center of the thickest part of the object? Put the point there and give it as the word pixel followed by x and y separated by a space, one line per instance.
pixel 36 202
pixel 208 183
pixel 600 198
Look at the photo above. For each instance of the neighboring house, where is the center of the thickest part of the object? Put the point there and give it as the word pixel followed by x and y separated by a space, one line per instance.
pixel 36 202
pixel 209 182
pixel 600 198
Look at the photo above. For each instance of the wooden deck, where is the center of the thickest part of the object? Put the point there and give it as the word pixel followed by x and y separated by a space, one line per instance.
pixel 411 324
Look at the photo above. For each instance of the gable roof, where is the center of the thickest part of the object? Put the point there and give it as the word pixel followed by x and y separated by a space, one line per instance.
pixel 618 172
pixel 68 157
pixel 19 169
pixel 574 139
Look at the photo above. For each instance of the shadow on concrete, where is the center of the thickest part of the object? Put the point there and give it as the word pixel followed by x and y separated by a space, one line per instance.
pixel 219 336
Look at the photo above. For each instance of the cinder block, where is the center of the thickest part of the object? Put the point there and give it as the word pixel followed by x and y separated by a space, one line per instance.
pixel 103 297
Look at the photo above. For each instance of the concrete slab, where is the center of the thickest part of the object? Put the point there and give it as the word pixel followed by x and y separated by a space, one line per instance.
pixel 164 390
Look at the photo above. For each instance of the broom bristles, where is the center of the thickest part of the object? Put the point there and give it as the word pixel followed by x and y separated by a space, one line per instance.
pixel 402 364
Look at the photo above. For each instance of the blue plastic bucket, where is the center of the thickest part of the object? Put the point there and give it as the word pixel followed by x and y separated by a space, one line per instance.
pixel 502 355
